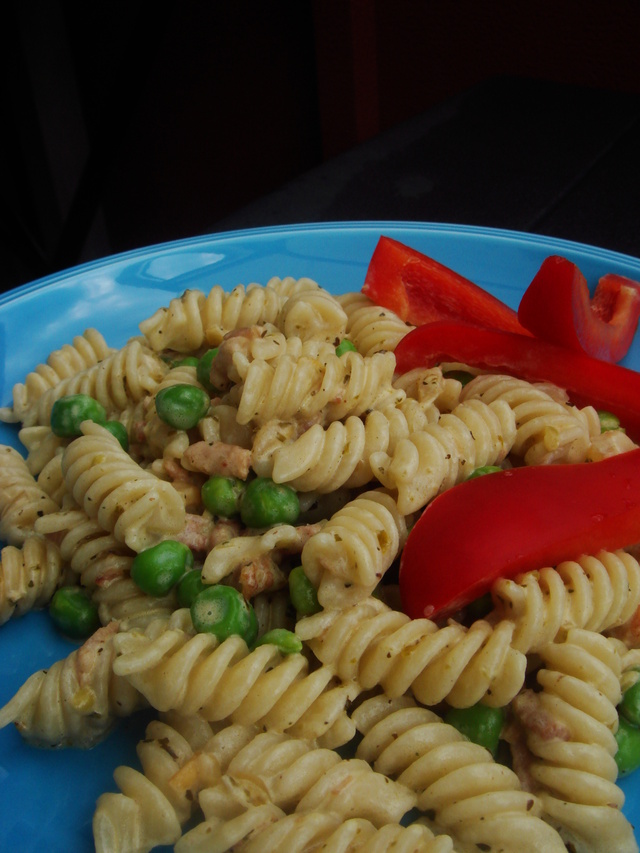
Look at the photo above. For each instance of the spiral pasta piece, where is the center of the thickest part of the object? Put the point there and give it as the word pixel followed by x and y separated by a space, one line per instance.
pixel 123 601
pixel 176 670
pixel 118 381
pixel 128 501
pixel 332 386
pixel 439 456
pixel 261 343
pixel 472 797
pixel 376 646
pixel 29 576
pixel 76 701
pixel 569 730
pixel 347 559
pixel 269 765
pixel 51 479
pixel 308 831
pixel 238 551
pixel 22 500
pixel 154 804
pixel 42 446
pixel 320 459
pixel 547 430
pixel 431 388
pixel 90 551
pixel 195 319
pixel 370 327
pixel 297 775
pixel 597 593
pixel 217 835
pixel 86 350
pixel 325 459
pixel 312 314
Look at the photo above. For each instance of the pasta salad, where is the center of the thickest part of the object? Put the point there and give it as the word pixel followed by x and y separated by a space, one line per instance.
pixel 217 509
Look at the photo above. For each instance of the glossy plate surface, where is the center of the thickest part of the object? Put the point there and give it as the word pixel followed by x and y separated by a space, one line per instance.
pixel 47 797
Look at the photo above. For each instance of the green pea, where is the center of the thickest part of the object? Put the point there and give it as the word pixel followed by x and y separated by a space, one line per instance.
pixel 302 593
pixel 182 406
pixel 266 503
pixel 119 431
pixel 628 754
pixel 158 569
pixel 203 372
pixel 223 611
pixel 345 345
pixel 480 723
pixel 189 586
pixel 222 495
pixel 630 705
pixel 187 361
pixel 68 413
pixel 482 470
pixel 73 613
pixel 463 376
pixel 286 642
pixel 608 421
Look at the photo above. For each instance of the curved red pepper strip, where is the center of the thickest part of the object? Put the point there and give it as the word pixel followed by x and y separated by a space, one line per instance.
pixel 557 307
pixel 588 381
pixel 421 290
pixel 515 521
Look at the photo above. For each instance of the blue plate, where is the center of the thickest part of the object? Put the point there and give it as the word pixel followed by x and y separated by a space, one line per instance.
pixel 47 797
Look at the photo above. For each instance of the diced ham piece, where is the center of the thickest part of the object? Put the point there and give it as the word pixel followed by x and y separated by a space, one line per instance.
pixel 238 340
pixel 536 719
pixel 216 457
pixel 89 652
pixel 201 533
pixel 260 575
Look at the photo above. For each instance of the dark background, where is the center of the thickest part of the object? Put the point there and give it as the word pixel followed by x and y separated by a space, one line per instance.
pixel 132 123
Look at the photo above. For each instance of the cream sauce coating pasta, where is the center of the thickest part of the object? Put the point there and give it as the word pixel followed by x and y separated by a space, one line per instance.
pixel 258 747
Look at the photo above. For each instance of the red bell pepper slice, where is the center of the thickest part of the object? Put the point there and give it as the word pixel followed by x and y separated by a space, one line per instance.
pixel 421 290
pixel 587 380
pixel 557 307
pixel 515 521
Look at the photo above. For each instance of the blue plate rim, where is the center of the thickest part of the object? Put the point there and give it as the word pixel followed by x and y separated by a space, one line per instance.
pixel 211 238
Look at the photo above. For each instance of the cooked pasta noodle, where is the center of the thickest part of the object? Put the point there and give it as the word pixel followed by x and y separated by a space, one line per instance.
pixel 154 804
pixel 179 671
pixel 86 350
pixel 321 459
pixel 296 775
pixel 376 646
pixel 312 315
pixel 470 795
pixel 347 559
pixel 29 576
pixel 569 730
pixel 547 430
pixel 194 318
pixel 22 500
pixel 370 327
pixel 306 831
pixel 42 446
pixel 120 379
pixel 76 701
pixel 333 386
pixel 427 462
pixel 256 744
pixel 598 593
pixel 128 501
